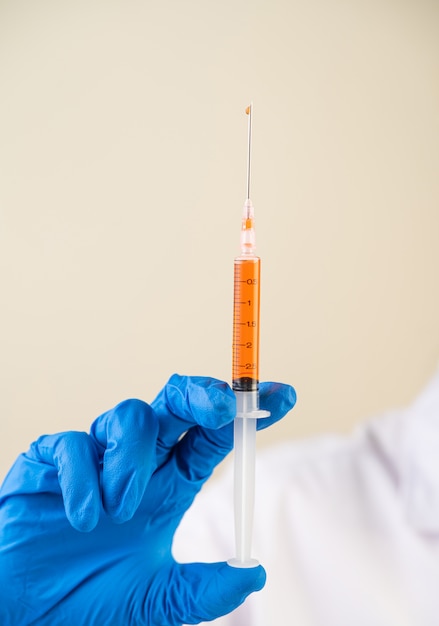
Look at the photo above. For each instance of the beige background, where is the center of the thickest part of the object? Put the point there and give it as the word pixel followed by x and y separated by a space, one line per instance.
pixel 122 165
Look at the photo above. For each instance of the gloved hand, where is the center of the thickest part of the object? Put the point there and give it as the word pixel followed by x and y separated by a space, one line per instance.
pixel 87 521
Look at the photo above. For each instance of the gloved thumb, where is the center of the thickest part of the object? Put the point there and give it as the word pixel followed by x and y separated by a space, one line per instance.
pixel 201 592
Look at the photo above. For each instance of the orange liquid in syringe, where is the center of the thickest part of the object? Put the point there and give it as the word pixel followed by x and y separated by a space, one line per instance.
pixel 245 366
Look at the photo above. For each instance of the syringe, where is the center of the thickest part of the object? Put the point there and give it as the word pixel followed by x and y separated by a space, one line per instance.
pixel 245 375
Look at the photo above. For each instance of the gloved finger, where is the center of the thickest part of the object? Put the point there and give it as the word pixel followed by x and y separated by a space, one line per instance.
pixel 186 401
pixel 199 592
pixel 126 438
pixel 277 398
pixel 201 449
pixel 75 458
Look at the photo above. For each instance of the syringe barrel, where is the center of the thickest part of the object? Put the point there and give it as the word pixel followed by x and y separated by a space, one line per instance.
pixel 246 310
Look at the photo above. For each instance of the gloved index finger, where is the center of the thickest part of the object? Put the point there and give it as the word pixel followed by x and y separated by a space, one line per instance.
pixel 186 401
pixel 202 449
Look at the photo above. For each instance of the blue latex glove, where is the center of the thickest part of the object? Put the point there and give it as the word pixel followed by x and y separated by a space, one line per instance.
pixel 87 521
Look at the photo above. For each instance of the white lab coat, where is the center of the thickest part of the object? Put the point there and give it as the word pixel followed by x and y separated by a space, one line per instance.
pixel 346 527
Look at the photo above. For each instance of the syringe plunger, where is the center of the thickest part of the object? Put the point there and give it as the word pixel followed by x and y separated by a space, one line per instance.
pixel 247 405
